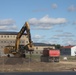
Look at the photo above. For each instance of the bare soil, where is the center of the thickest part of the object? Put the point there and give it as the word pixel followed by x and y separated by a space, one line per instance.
pixel 26 65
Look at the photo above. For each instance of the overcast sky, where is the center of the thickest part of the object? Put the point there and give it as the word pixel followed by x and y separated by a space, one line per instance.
pixel 51 21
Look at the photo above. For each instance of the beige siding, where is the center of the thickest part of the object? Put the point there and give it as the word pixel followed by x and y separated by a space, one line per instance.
pixel 10 40
pixel 39 49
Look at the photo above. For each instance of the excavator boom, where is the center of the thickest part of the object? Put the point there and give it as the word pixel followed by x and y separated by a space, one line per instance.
pixel 16 49
pixel 25 27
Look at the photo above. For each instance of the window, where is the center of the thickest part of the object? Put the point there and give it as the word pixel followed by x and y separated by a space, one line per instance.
pixel 26 41
pixel 1 41
pixel 11 36
pixel 14 36
pixel 5 36
pixel 2 36
pixel 40 52
pixel 7 41
pixel 8 36
pixel 36 52
pixel 1 46
pixel 4 41
pixel 22 41
pixel 13 41
pixel 36 47
pixel 10 41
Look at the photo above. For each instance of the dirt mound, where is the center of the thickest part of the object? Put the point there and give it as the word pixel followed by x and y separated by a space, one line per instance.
pixel 14 61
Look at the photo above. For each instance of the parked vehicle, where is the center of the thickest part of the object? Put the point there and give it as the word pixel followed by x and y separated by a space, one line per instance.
pixel 50 55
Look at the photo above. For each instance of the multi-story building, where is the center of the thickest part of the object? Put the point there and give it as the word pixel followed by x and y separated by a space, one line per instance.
pixel 39 47
pixel 8 38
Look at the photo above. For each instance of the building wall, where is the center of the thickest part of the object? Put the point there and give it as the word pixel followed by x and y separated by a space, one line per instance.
pixel 6 40
pixel 73 51
pixel 38 50
pixel 65 51
pixel 10 40
pixel 68 51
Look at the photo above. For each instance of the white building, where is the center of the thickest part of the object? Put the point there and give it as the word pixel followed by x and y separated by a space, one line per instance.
pixel 68 50
pixel 73 51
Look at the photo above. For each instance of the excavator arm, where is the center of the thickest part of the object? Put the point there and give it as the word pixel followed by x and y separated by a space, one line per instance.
pixel 15 49
pixel 23 29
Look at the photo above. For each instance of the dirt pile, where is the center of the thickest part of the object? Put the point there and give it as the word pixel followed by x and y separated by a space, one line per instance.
pixel 13 61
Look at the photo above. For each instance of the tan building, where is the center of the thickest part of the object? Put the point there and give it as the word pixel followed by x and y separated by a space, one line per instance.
pixel 39 47
pixel 8 38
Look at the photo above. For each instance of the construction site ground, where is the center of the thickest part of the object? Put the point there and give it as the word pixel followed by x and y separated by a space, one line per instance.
pixel 34 65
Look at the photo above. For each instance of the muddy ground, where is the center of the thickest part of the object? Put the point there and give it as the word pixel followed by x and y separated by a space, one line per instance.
pixel 26 65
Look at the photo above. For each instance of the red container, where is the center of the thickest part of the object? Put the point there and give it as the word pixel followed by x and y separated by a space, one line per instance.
pixel 51 53
pixel 54 53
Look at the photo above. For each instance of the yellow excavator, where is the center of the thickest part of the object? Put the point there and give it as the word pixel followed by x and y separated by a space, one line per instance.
pixel 19 50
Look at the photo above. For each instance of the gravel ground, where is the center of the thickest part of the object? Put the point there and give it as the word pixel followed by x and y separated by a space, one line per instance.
pixel 24 65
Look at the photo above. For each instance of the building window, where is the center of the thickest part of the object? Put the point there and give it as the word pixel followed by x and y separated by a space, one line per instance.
pixel 1 41
pixel 2 36
pixel 7 41
pixel 13 41
pixel 40 52
pixel 36 47
pixel 26 41
pixel 8 36
pixel 22 41
pixel 10 41
pixel 14 36
pixel 1 46
pixel 5 36
pixel 4 41
pixel 11 36
pixel 36 52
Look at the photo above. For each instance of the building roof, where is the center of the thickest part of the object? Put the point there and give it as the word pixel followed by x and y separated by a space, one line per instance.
pixel 42 44
pixel 68 46
pixel 9 33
